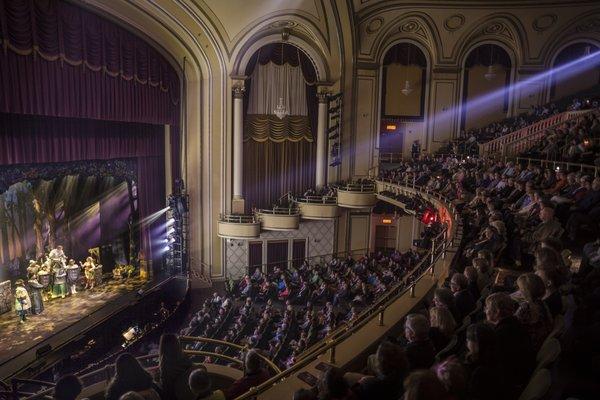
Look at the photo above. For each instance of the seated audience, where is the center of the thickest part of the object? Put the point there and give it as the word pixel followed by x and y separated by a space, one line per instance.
pixel 174 368
pixel 420 351
pixel 254 375
pixel 201 385
pixel 442 327
pixel 130 376
pixel 67 388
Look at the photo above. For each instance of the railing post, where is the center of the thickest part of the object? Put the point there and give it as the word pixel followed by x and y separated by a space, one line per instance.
pixel 412 291
pixel 381 316
pixel 432 250
pixel 332 355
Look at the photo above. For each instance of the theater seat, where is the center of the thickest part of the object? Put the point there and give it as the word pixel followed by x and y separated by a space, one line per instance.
pixel 538 385
pixel 548 354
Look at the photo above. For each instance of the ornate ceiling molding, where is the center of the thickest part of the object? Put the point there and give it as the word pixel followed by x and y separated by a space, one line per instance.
pixel 544 22
pixel 454 22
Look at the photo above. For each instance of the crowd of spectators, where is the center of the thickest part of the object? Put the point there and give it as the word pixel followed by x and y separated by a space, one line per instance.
pixel 480 334
pixel 468 140
pixel 289 309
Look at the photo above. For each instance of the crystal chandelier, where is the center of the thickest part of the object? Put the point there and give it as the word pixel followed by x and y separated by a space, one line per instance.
pixel 280 111
pixel 407 89
pixel 490 74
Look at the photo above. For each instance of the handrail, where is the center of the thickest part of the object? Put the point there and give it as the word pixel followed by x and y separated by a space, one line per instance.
pixel 316 199
pixel 427 264
pixel 293 211
pixel 499 144
pixel 357 187
pixel 238 218
pixel 267 361
pixel 568 165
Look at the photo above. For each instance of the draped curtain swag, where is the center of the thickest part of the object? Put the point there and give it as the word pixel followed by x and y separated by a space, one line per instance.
pixel 60 60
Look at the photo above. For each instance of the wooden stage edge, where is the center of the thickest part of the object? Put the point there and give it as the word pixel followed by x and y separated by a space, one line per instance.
pixel 64 320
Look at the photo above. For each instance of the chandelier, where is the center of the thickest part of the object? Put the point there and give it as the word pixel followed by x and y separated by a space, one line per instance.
pixel 490 74
pixel 407 89
pixel 280 111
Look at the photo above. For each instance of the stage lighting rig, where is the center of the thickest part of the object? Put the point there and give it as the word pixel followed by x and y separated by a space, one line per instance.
pixel 176 248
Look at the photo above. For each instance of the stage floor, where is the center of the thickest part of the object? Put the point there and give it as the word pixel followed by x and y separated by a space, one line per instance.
pixel 58 315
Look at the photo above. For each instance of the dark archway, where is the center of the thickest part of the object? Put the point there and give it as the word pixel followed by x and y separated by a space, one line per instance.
pixel 569 83
pixel 404 82
pixel 487 71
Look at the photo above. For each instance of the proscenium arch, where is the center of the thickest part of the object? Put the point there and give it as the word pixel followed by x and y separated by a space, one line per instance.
pixel 463 62
pixel 203 82
pixel 251 47
pixel 428 59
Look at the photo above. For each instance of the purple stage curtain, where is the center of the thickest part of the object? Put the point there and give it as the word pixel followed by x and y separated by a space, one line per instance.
pixel 62 60
pixel 273 169
pixel 26 139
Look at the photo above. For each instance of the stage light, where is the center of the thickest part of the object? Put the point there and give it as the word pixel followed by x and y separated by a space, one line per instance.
pixel 170 231
pixel 390 127
pixel 170 221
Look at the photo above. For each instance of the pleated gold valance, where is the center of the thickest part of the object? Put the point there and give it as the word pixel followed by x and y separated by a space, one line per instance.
pixel 292 128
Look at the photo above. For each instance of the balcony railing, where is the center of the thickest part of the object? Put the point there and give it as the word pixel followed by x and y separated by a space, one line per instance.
pixel 506 145
pixel 316 199
pixel 149 362
pixel 237 218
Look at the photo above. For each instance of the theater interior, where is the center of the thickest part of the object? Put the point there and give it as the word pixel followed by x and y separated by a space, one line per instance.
pixel 300 199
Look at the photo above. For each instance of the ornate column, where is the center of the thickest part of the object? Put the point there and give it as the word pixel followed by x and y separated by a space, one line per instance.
pixel 321 171
pixel 237 205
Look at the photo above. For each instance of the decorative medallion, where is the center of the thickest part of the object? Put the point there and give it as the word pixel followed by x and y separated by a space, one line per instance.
pixel 374 25
pixel 543 22
pixel 414 27
pixel 498 28
pixel 454 22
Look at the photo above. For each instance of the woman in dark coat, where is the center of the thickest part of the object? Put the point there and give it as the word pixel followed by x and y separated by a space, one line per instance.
pixel 130 376
pixel 35 293
pixel 174 368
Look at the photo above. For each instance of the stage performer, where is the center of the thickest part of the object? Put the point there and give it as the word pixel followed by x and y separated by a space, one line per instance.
pixel 22 301
pixel 57 256
pixel 33 268
pixel 60 282
pixel 35 290
pixel 89 271
pixel 72 276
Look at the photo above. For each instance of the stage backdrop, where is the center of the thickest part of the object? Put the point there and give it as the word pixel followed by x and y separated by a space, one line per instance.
pixel 61 60
pixel 40 140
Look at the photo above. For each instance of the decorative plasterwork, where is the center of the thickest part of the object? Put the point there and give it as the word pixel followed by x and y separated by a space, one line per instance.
pixel 454 22
pixel 415 27
pixel 544 22
pixel 374 25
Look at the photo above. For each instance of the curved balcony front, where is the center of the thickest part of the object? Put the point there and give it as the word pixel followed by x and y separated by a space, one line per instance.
pixel 357 195
pixel 241 227
pixel 279 219
pixel 318 207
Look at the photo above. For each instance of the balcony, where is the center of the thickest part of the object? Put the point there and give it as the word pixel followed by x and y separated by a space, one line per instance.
pixel 279 219
pixel 242 227
pixel 357 195
pixel 317 207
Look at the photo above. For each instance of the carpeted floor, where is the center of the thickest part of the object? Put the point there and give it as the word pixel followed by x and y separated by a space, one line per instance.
pixel 57 315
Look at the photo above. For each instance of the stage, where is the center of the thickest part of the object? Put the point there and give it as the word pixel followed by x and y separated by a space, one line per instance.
pixel 61 321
